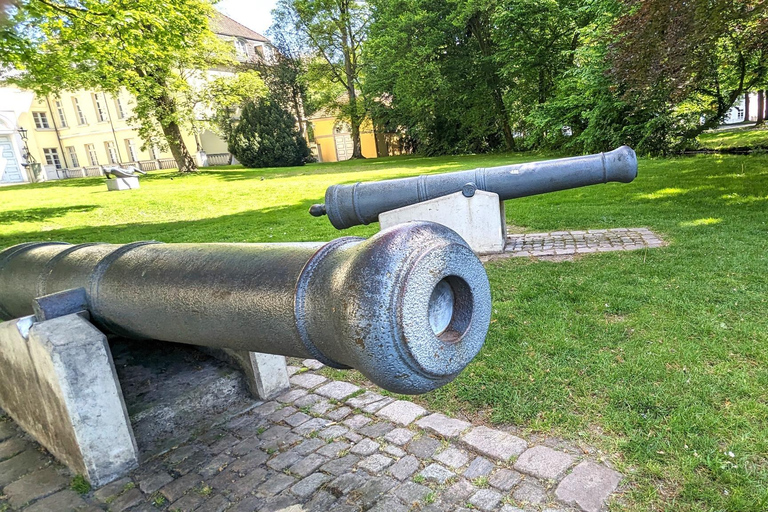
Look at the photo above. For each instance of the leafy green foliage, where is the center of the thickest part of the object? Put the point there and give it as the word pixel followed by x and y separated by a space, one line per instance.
pixel 266 136
pixel 148 47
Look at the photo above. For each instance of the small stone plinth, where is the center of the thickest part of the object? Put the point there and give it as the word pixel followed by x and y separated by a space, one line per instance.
pixel 122 183
pixel 588 486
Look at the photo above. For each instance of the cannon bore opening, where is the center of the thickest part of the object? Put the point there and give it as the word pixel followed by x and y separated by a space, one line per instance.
pixel 450 308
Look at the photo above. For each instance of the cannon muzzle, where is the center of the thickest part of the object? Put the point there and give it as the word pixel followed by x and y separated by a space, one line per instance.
pixel 409 307
pixel 361 203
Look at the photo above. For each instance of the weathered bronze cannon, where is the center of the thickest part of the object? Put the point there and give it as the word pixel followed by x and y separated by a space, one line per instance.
pixel 361 203
pixel 409 307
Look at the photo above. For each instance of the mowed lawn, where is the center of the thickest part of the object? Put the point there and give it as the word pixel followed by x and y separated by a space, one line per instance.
pixel 735 138
pixel 659 358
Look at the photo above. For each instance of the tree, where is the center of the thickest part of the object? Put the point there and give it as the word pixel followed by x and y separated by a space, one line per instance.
pixel 700 55
pixel 144 46
pixel 334 30
pixel 266 136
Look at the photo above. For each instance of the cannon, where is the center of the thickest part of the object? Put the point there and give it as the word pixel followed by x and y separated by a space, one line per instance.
pixel 362 203
pixel 409 307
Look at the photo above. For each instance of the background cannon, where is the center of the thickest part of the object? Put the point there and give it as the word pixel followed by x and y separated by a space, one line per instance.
pixel 409 307
pixel 361 203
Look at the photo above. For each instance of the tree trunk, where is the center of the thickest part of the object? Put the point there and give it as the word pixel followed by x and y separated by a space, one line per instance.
pixel 760 106
pixel 746 107
pixel 172 133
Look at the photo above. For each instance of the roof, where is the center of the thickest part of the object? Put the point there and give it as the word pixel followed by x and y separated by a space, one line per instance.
pixel 225 26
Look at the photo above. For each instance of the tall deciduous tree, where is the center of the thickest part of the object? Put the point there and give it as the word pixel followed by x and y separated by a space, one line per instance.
pixel 334 30
pixel 141 45
pixel 706 52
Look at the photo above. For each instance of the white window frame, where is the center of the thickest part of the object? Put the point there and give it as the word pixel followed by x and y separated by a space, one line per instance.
pixel 41 120
pixel 101 112
pixel 62 115
pixel 81 119
pixel 133 154
pixel 241 47
pixel 119 108
pixel 111 152
pixel 72 152
pixel 93 157
pixel 52 157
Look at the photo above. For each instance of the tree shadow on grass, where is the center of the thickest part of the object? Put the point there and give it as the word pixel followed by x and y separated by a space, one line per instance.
pixel 288 223
pixel 42 214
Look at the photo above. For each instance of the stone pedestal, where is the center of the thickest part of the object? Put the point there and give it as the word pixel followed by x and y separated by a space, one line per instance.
pixel 266 374
pixel 478 219
pixel 58 382
pixel 122 183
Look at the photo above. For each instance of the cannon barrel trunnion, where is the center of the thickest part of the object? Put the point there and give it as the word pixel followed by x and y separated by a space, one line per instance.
pixel 409 307
pixel 362 203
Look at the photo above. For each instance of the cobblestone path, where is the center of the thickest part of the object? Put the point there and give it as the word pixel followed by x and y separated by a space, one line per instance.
pixel 327 446
pixel 564 243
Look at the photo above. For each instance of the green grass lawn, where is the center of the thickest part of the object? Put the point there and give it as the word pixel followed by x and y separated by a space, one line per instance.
pixel 736 138
pixel 659 357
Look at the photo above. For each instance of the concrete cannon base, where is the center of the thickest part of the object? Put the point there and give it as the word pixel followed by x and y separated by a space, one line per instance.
pixel 479 219
pixel 58 382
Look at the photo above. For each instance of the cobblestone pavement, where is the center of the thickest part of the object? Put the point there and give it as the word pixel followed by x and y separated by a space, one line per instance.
pixel 327 445
pixel 565 243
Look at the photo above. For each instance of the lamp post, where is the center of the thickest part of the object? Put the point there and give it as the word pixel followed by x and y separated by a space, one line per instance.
pixel 29 160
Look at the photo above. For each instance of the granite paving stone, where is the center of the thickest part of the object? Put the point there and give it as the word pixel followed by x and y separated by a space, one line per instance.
pixel 338 390
pixel 346 483
pixel 297 419
pixel 246 484
pixel 308 400
pixel 372 490
pixel 458 492
pixel 307 465
pixel 187 502
pixel 62 501
pixel 376 406
pixel 365 447
pixel 389 504
pixel 376 430
pixel 291 396
pixel 307 380
pixel 442 425
pixel 309 446
pixel 215 465
pixel 112 489
pixel 375 463
pixel 485 499
pixel 394 450
pixel 274 484
pixel 341 465
pixel 11 447
pixel 412 493
pixel 480 466
pixel 128 499
pixel 452 457
pixel 309 484
pixel 312 364
pixel 543 462
pixel 530 492
pixel 176 489
pixel 21 464
pixel 504 479
pixel 35 485
pixel 423 447
pixel 216 503
pixel 154 481
pixel 357 421
pixel 588 486
pixel 494 443
pixel 436 473
pixel 336 414
pixel 404 467
pixel 402 412
pixel 281 414
pixel 360 401
pixel 333 449
pixel 399 436
pixel 312 425
pixel 333 432
pixel 283 460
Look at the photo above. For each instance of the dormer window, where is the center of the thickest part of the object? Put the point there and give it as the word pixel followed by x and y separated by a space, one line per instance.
pixel 241 48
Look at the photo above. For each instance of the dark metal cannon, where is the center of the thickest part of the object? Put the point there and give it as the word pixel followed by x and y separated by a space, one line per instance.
pixel 409 307
pixel 361 203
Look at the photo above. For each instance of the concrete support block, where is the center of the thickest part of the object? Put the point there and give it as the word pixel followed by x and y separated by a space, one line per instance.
pixel 58 382
pixel 122 183
pixel 266 374
pixel 478 219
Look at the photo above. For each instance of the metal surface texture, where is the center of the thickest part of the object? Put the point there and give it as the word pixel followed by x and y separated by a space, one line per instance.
pixel 361 203
pixel 409 307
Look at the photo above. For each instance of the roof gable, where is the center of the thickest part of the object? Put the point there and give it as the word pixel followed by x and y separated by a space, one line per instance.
pixel 225 26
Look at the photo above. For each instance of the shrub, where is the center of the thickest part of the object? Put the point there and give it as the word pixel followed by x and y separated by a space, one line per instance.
pixel 266 136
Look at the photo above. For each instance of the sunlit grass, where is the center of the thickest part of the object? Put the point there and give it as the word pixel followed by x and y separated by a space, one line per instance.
pixel 658 357
pixel 736 138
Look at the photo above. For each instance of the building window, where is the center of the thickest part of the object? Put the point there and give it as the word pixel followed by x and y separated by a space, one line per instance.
pixel 98 105
pixel 73 156
pixel 62 117
pixel 133 155
pixel 79 111
pixel 154 154
pixel 92 157
pixel 241 48
pixel 52 157
pixel 119 107
pixel 41 120
pixel 111 152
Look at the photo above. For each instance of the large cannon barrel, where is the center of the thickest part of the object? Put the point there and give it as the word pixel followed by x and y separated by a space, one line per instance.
pixel 361 203
pixel 409 307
